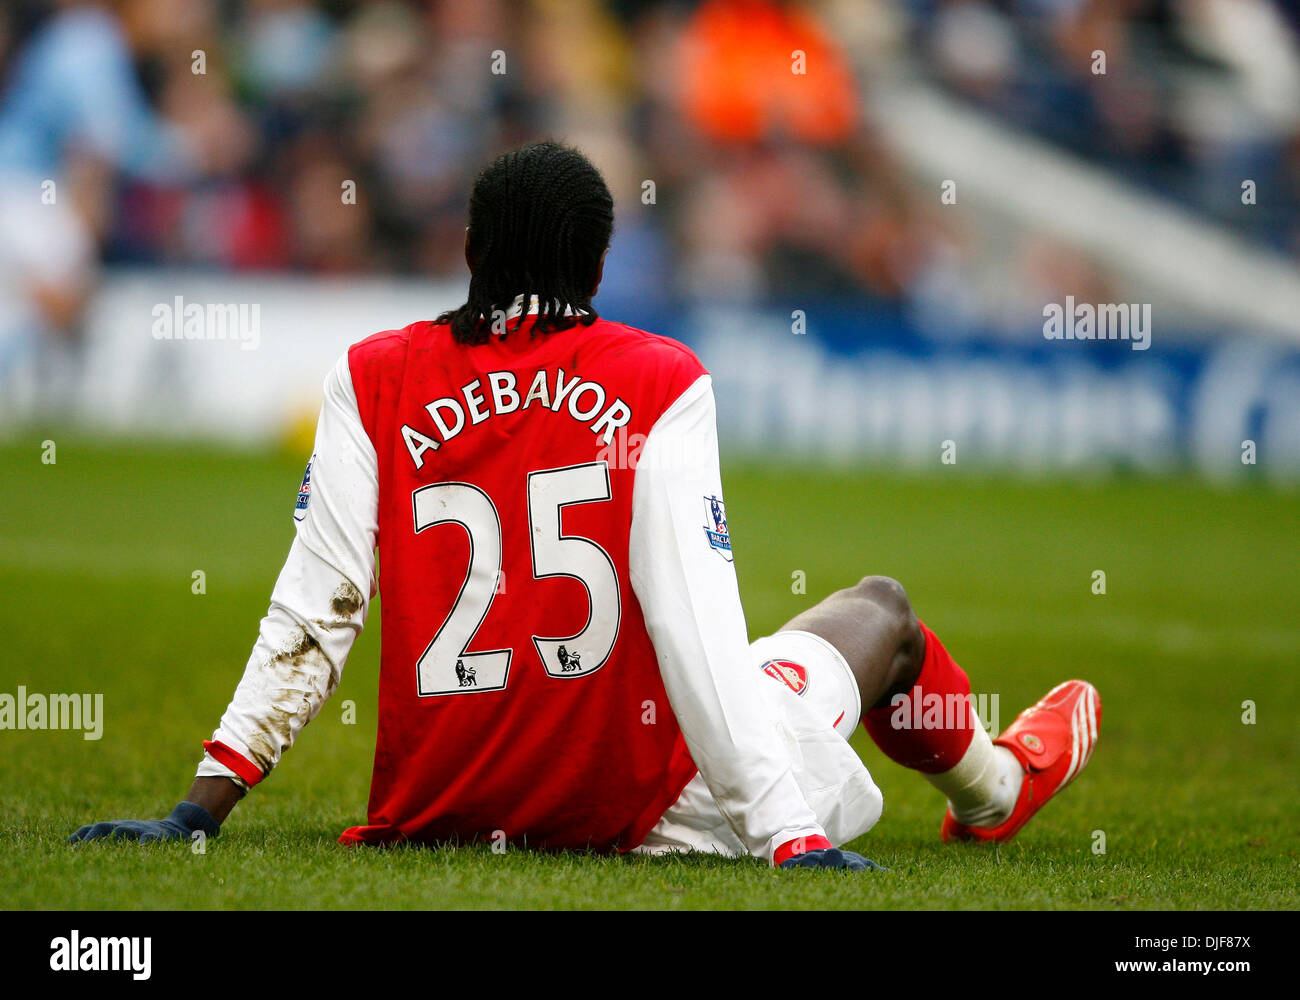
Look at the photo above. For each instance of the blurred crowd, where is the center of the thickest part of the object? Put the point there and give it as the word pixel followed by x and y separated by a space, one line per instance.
pixel 1191 97
pixel 337 137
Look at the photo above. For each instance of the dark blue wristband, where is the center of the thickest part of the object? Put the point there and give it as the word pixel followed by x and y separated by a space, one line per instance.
pixel 193 816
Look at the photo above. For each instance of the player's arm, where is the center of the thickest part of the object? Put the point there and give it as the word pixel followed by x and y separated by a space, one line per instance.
pixel 318 607
pixel 691 603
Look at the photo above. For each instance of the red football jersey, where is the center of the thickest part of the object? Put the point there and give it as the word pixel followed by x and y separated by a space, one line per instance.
pixel 517 676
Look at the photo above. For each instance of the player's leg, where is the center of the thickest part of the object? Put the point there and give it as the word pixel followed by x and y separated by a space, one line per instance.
pixel 891 654
pixel 874 628
pixel 902 669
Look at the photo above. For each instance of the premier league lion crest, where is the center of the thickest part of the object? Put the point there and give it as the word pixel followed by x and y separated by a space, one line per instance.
pixel 715 526
pixel 304 492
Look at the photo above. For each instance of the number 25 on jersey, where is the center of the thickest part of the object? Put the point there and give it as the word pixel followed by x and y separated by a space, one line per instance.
pixel 447 666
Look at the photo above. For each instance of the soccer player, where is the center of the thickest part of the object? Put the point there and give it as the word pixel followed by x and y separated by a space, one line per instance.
pixel 564 660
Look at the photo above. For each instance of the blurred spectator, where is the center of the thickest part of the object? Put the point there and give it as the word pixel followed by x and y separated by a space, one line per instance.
pixel 755 69
pixel 73 117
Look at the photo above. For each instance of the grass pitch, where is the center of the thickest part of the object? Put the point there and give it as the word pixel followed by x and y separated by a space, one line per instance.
pixel 1194 807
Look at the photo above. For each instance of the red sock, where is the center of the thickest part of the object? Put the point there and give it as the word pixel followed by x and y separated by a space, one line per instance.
pixel 906 733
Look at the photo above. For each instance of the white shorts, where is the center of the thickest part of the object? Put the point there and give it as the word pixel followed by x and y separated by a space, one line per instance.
pixel 815 706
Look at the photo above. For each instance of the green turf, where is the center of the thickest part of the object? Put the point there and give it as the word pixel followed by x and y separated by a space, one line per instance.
pixel 1197 809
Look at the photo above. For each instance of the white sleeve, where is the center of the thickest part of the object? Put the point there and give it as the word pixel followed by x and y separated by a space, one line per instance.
pixel 688 594
pixel 320 600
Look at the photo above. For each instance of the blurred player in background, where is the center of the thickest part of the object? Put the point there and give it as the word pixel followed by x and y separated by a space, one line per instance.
pixel 564 657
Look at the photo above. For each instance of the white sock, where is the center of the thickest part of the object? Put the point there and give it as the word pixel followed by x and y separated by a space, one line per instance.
pixel 982 789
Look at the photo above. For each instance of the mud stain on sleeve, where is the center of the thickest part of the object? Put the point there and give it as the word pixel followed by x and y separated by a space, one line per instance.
pixel 290 678
pixel 346 601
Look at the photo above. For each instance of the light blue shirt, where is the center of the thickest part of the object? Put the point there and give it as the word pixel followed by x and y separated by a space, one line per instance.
pixel 74 84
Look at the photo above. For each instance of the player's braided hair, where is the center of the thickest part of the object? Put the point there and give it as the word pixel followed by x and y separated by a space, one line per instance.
pixel 540 217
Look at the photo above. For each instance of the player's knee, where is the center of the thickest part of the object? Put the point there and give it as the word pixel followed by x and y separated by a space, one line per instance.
pixel 886 593
pixel 891 605
pixel 894 611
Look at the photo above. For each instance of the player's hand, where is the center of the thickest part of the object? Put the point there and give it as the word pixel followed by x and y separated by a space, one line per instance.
pixel 832 857
pixel 184 820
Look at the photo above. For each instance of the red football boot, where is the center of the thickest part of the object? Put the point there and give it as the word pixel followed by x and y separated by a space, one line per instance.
pixel 1053 741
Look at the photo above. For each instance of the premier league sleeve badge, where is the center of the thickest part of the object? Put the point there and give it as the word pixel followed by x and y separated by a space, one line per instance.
pixel 715 527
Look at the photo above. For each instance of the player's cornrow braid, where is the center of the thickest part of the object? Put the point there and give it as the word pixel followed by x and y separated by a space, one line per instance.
pixel 541 212
pixel 578 300
pixel 568 245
